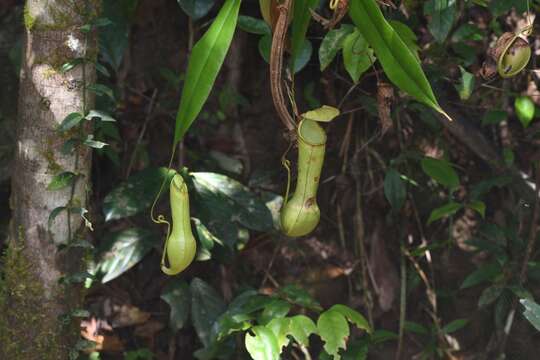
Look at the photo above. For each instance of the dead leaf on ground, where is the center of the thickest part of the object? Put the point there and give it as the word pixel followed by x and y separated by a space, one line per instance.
pixel 90 330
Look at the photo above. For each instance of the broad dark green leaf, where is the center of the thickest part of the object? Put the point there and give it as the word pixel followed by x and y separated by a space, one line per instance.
pixel 240 313
pixel 494 117
pixel 442 13
pixel 122 250
pixel 482 274
pixel 196 9
pixel 303 56
pixel 205 237
pixel 62 180
pixel 102 70
pixel 249 302
pixel 441 171
pixel 357 56
pixel 101 90
pixel 397 60
pixel 446 210
pixel 114 39
pixel 332 43
pixel 276 309
pixel 264 46
pixel 135 194
pixel 334 331
pixel 253 25
pixel 300 24
pixel 489 295
pixel 357 350
pixel 395 190
pixel 177 295
pixel 478 206
pixel 531 312
pixel 499 7
pixel 230 200
pixel 70 121
pixel 300 297
pixel 206 307
pixel 262 345
pixel 205 62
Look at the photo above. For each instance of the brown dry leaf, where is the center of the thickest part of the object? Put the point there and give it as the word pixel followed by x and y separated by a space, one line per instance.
pixel 385 97
pixel 90 330
pixel 128 315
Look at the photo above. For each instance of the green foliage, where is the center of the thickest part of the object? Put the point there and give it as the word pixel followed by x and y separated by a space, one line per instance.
pixel 395 190
pixel 357 56
pixel 223 203
pixel 531 312
pixel 196 9
pixel 441 171
pixel 205 61
pixel 135 194
pixel 442 14
pixel 332 43
pixel 122 250
pixel 301 19
pixel 397 60
pixel 230 216
pixel 525 110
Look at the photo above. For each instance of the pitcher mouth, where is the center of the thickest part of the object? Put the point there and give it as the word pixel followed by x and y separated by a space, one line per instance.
pixel 311 133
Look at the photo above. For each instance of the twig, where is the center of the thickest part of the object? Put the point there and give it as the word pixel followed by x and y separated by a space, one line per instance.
pixel 143 131
pixel 276 65
pixel 267 274
pixel 360 230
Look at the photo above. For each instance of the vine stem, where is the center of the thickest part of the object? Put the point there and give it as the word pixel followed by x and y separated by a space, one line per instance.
pixel 80 134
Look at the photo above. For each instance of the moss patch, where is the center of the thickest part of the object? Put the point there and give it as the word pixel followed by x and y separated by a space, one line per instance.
pixel 52 165
pixel 29 20
pixel 25 329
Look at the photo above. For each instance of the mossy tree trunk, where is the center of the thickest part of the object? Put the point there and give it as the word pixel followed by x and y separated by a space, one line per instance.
pixel 36 294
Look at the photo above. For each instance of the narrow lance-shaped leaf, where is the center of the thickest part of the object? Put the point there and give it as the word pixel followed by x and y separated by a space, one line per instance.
pixel 205 62
pixel 397 60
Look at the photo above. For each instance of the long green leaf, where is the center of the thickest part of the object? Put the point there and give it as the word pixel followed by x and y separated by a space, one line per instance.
pixel 397 60
pixel 205 61
pixel 300 24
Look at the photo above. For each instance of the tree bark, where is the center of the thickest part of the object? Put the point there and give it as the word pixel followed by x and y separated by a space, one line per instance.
pixel 36 294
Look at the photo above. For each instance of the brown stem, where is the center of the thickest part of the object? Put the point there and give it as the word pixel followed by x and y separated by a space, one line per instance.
pixel 276 65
